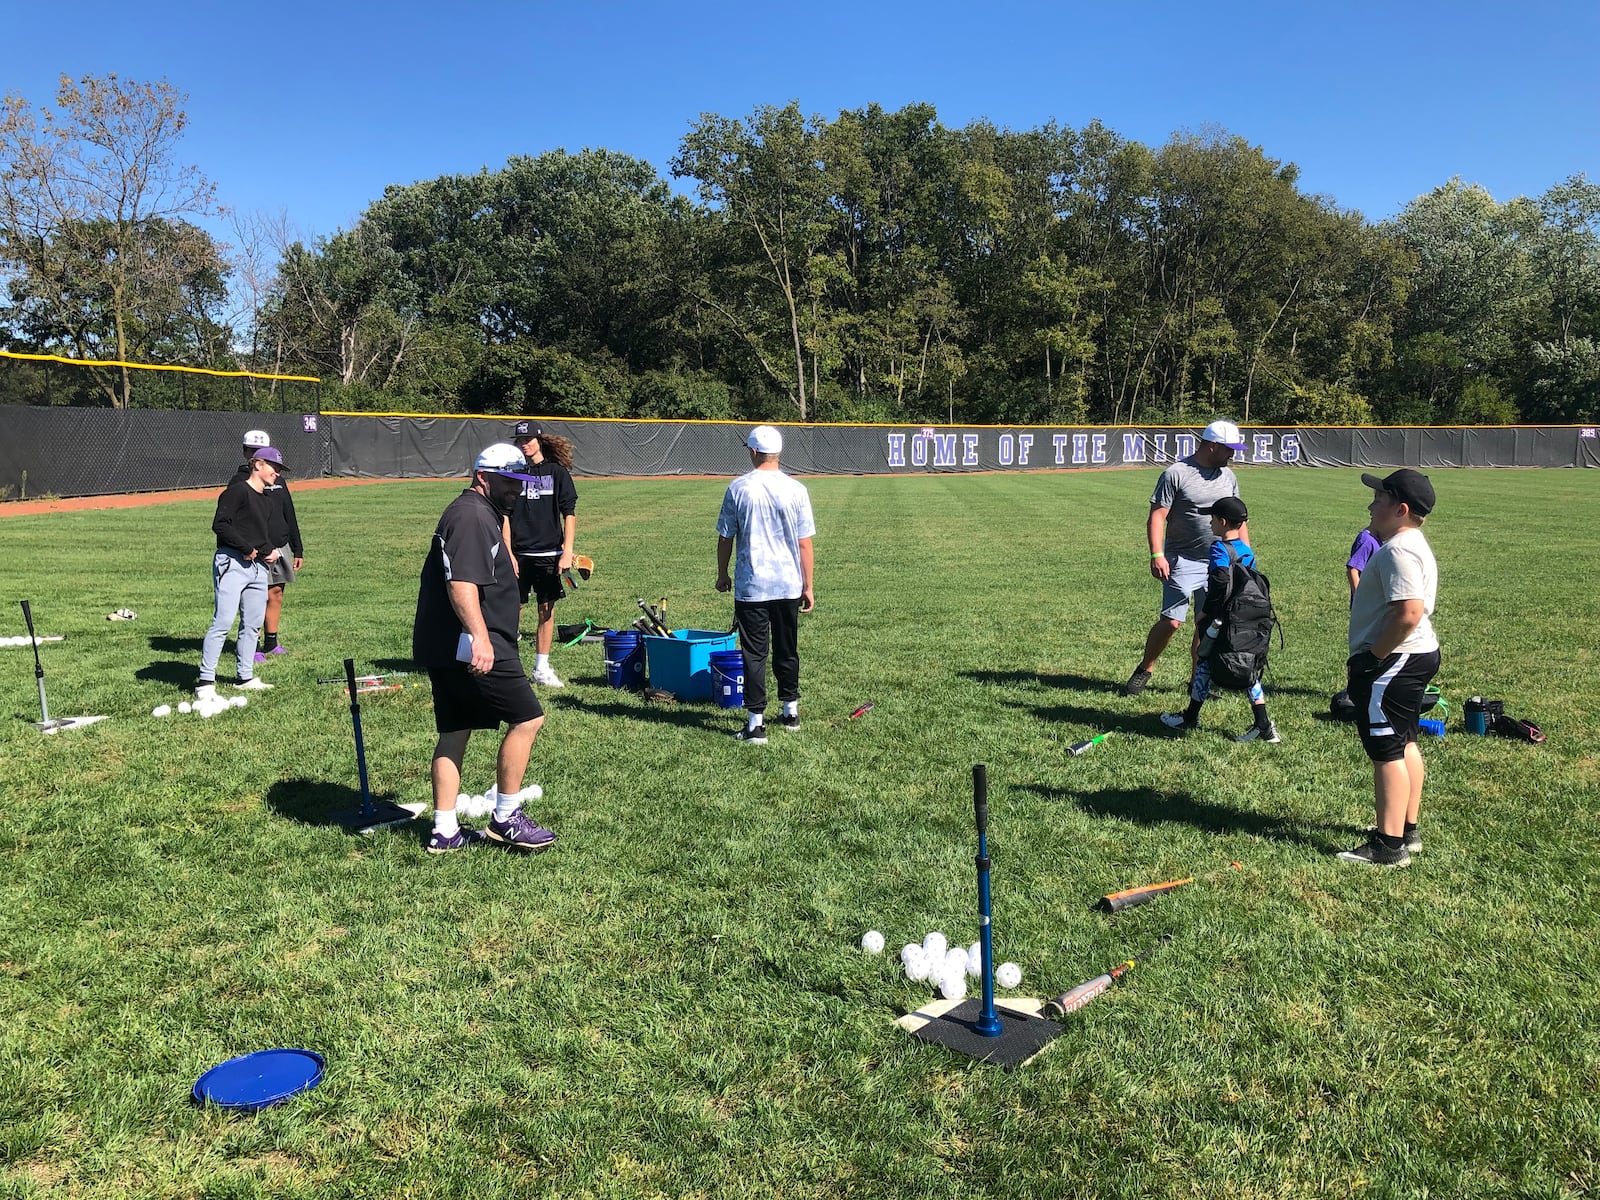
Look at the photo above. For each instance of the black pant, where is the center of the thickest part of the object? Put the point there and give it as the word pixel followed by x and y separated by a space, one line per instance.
pixel 765 624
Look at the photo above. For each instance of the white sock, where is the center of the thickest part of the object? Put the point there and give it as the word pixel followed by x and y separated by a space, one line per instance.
pixel 504 806
pixel 445 823
pixel 791 708
pixel 541 662
pixel 756 720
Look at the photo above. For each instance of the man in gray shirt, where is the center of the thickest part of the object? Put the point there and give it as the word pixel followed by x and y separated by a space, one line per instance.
pixel 1179 532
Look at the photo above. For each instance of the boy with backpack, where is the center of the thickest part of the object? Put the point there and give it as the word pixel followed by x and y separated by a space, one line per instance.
pixel 1238 620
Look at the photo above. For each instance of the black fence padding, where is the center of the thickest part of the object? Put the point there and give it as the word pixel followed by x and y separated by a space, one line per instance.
pixel 106 451
pixel 94 451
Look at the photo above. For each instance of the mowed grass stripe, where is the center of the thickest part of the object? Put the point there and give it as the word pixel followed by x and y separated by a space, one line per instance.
pixel 671 1002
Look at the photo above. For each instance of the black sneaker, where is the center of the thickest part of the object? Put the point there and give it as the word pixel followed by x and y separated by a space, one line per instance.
pixel 1373 853
pixel 1413 842
pixel 1137 682
pixel 790 721
pixel 1260 733
pixel 751 737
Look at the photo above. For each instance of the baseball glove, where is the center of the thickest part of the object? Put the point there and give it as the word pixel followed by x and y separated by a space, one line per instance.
pixel 584 565
pixel 659 696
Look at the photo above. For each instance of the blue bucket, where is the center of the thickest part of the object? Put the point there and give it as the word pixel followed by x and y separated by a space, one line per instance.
pixel 624 658
pixel 727 678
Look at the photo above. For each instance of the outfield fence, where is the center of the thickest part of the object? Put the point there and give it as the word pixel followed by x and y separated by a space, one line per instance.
pixel 68 451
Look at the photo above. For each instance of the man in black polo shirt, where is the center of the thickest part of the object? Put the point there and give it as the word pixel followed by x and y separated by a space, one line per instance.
pixel 465 635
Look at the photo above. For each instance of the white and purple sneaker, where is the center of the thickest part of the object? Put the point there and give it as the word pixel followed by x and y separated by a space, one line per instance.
pixel 462 839
pixel 520 833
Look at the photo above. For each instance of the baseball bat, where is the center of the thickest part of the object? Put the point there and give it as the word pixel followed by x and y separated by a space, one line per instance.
pixel 366 678
pixel 656 627
pixel 1133 897
pixel 38 666
pixel 865 708
pixel 1060 1006
pixel 1080 747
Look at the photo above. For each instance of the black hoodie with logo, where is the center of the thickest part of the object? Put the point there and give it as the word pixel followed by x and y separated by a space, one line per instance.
pixel 282 525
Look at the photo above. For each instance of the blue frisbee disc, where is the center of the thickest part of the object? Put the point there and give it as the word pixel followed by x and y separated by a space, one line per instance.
pixel 260 1080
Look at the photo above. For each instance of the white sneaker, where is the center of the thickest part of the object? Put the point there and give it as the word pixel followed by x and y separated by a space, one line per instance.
pixel 206 691
pixel 546 677
pixel 255 685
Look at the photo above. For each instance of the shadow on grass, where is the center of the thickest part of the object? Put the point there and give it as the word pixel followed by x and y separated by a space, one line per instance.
pixel 163 644
pixel 1079 683
pixel 170 671
pixel 1146 806
pixel 685 715
pixel 320 803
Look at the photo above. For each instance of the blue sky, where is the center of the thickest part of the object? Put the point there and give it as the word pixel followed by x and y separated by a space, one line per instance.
pixel 311 109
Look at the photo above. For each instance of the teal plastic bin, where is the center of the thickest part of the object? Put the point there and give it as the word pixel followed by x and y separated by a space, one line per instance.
pixel 681 664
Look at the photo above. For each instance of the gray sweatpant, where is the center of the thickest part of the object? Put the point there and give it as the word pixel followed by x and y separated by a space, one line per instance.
pixel 242 592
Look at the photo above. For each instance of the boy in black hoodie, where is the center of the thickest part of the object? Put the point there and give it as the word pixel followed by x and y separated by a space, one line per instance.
pixel 239 569
pixel 284 533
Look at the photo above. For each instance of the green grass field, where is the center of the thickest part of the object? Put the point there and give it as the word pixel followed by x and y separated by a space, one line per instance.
pixel 672 1001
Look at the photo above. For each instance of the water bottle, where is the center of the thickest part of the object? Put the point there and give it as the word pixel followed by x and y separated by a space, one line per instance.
pixel 1476 714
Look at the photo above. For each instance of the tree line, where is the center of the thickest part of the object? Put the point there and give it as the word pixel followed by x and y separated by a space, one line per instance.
pixel 876 266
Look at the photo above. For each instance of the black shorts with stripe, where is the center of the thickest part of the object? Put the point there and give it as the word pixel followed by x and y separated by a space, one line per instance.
pixel 539 575
pixel 462 700
pixel 1388 695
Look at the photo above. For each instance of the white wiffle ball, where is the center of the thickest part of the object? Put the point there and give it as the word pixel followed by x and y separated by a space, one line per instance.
pixel 910 949
pixel 184 706
pixel 917 967
pixel 872 942
pixel 935 944
pixel 955 961
pixel 1008 975
pixel 954 986
pixel 161 710
pixel 975 959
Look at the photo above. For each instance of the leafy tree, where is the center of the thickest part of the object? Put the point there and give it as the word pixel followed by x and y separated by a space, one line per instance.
pixel 96 231
pixel 764 179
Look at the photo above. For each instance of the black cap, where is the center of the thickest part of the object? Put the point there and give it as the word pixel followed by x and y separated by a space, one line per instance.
pixel 1230 508
pixel 1409 487
pixel 523 430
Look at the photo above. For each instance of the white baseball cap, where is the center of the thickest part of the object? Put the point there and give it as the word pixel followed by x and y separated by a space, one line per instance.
pixel 502 458
pixel 1224 433
pixel 256 437
pixel 764 439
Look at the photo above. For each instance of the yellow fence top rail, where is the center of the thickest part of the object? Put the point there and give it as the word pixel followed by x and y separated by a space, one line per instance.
pixel 99 362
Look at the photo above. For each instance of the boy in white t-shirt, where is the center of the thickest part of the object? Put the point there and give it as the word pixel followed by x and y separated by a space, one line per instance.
pixel 767 515
pixel 1394 655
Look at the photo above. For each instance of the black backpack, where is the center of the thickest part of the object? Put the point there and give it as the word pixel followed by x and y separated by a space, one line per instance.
pixel 1240 655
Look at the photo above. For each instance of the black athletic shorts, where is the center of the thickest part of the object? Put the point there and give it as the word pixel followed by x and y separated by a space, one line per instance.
pixel 462 700
pixel 1387 694
pixel 540 575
